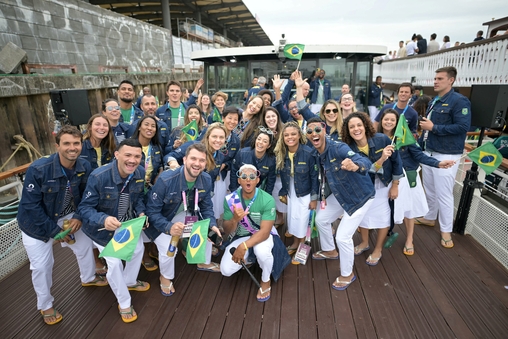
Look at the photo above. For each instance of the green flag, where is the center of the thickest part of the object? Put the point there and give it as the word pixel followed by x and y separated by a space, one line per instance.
pixel 124 241
pixel 487 157
pixel 294 51
pixel 313 224
pixel 216 115
pixel 191 130
pixel 62 234
pixel 403 135
pixel 196 249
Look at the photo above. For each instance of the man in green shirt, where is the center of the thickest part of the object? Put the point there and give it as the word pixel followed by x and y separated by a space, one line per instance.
pixel 126 95
pixel 249 214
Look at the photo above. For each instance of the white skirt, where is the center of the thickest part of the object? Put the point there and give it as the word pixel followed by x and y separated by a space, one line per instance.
pixel 415 201
pixel 219 193
pixel 279 206
pixel 378 215
pixel 298 212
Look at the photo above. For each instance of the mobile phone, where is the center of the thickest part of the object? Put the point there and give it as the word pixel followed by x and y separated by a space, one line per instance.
pixel 214 237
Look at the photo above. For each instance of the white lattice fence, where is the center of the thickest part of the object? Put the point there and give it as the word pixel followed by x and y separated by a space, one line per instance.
pixel 12 251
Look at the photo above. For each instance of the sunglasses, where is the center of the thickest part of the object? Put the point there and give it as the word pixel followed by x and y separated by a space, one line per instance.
pixel 293 108
pixel 265 130
pixel 110 108
pixel 251 176
pixel 316 129
pixel 328 111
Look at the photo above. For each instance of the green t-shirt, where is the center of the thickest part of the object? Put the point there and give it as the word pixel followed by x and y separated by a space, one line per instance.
pixel 180 110
pixel 126 114
pixel 190 186
pixel 262 209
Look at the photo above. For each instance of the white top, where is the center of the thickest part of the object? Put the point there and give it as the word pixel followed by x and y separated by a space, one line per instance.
pixel 411 48
pixel 446 45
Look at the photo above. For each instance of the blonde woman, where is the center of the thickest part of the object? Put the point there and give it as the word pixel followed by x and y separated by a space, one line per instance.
pixel 330 114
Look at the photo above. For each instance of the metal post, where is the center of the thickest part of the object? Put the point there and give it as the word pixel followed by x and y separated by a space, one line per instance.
pixel 469 185
pixel 166 16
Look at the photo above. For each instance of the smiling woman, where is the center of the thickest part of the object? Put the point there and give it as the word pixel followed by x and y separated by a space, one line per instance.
pixel 98 141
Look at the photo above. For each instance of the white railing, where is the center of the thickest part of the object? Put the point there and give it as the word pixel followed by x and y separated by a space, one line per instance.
pixel 482 62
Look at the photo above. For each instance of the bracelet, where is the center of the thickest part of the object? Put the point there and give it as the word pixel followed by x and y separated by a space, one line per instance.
pixel 377 166
pixel 244 244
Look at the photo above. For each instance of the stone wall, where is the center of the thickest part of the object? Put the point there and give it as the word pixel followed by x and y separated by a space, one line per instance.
pixel 76 32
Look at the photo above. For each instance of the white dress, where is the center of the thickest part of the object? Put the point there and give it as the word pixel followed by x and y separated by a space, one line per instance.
pixel 378 215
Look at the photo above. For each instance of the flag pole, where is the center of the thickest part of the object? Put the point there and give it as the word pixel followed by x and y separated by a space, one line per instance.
pixel 298 66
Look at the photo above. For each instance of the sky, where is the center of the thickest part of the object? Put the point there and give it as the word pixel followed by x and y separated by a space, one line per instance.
pixel 374 22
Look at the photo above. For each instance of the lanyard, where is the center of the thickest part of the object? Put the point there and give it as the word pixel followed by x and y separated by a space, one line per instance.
pixel 405 109
pixel 196 198
pixel 68 182
pixel 148 157
pixel 251 202
pixel 304 125
pixel 179 113
pixel 126 182
pixel 429 115
pixel 132 115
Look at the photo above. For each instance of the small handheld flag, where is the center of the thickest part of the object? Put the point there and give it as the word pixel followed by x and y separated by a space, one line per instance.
pixel 124 241
pixel 315 233
pixel 191 130
pixel 62 234
pixel 487 157
pixel 216 115
pixel 403 135
pixel 294 51
pixel 196 249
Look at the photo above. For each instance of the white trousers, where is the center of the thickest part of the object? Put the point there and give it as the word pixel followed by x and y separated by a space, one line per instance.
pixel 40 254
pixel 345 231
pixel 119 277
pixel 167 264
pixel 263 252
pixel 438 184
pixel 298 212
pixel 373 112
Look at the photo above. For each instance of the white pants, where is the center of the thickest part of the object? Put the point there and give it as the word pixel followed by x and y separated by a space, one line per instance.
pixel 373 112
pixel 40 254
pixel 298 212
pixel 263 252
pixel 438 184
pixel 345 231
pixel 167 264
pixel 119 277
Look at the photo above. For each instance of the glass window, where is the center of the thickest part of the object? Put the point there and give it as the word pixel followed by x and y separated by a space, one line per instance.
pixel 338 73
pixel 361 85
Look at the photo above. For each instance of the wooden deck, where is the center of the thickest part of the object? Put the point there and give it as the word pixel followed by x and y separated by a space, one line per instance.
pixel 437 293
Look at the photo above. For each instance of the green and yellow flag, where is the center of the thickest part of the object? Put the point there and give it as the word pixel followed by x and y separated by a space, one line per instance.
pixel 487 157
pixel 403 135
pixel 191 130
pixel 196 249
pixel 216 115
pixel 124 241
pixel 294 51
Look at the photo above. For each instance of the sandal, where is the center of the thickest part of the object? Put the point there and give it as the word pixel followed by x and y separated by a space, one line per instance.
pixel 371 261
pixel 45 317
pixel 214 268
pixel 101 271
pixel 287 234
pixel 409 251
pixel 291 250
pixel 261 299
pixel 150 265
pixel 359 250
pixel 141 286
pixel 343 287
pixel 319 255
pixel 130 312
pixel 98 281
pixel 446 242
pixel 169 287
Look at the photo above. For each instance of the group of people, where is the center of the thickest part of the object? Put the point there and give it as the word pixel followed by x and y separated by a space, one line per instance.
pixel 243 170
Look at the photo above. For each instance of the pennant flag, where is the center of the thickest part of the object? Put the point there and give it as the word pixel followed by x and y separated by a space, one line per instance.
pixel 313 224
pixel 124 241
pixel 216 115
pixel 487 157
pixel 196 249
pixel 403 134
pixel 191 130
pixel 62 234
pixel 294 51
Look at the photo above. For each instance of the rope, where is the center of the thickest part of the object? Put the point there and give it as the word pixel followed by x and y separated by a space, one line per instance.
pixel 22 143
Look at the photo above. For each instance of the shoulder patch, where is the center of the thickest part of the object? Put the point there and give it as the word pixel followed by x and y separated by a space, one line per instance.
pixel 140 180
pixel 351 153
pixel 465 111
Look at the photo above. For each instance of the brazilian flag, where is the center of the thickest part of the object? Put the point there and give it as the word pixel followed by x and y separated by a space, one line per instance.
pixel 294 51
pixel 312 222
pixel 216 115
pixel 191 130
pixel 196 249
pixel 124 241
pixel 403 134
pixel 487 157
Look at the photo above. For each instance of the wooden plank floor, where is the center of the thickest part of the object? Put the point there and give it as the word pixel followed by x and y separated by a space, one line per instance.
pixel 437 293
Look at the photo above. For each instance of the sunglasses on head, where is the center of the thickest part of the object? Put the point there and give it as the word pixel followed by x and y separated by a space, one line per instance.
pixel 328 111
pixel 251 176
pixel 316 129
pixel 265 130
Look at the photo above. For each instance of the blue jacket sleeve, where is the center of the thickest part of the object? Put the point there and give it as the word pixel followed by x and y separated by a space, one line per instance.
pixel 88 206
pixel 235 166
pixel 397 171
pixel 364 164
pixel 461 121
pixel 314 172
pixel 286 94
pixel 418 155
pixel 154 205
pixel 304 110
pixel 270 180
pixel 283 112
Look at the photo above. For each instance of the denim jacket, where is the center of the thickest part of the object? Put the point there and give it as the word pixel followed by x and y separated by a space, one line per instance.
pixel 233 146
pixel 138 114
pixel 164 113
pixel 175 134
pixel 392 167
pixel 101 196
pixel 121 131
pixel 351 189
pixel 412 156
pixel 327 89
pixel 375 94
pixel 165 198
pixel 451 116
pixel 307 114
pixel 88 153
pixel 305 173
pixel 156 159
pixel 265 166
pixel 43 195
pixel 161 126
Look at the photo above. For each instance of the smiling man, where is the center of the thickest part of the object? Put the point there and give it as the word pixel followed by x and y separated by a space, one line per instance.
pixel 113 194
pixel 402 106
pixel 126 96
pixel 51 192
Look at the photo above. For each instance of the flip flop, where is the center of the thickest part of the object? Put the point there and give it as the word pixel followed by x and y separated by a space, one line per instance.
pixel 373 261
pixel 407 249
pixel 58 317
pixel 342 288
pixel 446 243
pixel 320 256
pixel 262 300
pixel 287 234
pixel 140 286
pixel 215 268
pixel 131 312
pixel 151 255
pixel 169 288
pixel 359 250
pixel 291 250
pixel 419 222
pixel 104 270
pixel 98 281
pixel 150 265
